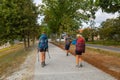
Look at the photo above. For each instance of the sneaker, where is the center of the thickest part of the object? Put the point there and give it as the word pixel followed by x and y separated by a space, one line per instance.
pixel 67 54
pixel 43 64
pixel 81 65
pixel 77 66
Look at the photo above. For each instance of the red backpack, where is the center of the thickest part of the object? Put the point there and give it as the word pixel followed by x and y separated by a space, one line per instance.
pixel 80 45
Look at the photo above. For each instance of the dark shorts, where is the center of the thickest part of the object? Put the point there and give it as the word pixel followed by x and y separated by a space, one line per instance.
pixel 78 52
pixel 42 50
pixel 67 47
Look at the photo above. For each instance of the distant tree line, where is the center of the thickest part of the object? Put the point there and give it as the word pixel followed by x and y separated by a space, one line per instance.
pixel 109 29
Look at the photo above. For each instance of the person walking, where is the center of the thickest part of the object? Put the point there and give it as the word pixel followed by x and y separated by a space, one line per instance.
pixel 67 44
pixel 43 47
pixel 79 49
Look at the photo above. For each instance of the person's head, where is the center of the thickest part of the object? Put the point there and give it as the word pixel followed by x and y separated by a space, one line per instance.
pixel 78 36
pixel 68 35
pixel 43 32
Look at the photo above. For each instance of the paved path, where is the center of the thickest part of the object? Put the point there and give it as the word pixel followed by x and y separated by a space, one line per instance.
pixel 62 67
pixel 113 49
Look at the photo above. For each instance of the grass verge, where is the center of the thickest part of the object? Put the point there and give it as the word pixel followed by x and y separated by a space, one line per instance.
pixel 11 58
pixel 106 43
pixel 103 52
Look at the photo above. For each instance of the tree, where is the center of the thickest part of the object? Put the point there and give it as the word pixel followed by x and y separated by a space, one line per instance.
pixel 66 15
pixel 86 33
pixel 90 33
pixel 110 29
pixel 109 5
pixel 18 20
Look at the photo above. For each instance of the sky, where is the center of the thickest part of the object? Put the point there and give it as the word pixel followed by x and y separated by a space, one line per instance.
pixel 100 16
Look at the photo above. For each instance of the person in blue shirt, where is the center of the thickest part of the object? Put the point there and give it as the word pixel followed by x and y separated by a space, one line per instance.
pixel 43 47
pixel 67 44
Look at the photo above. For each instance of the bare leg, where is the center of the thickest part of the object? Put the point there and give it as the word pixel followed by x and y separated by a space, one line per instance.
pixel 44 57
pixel 67 51
pixel 77 59
pixel 80 60
pixel 41 57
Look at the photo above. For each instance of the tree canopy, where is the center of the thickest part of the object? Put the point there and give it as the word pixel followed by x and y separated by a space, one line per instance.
pixel 66 15
pixel 17 19
pixel 110 29
pixel 109 5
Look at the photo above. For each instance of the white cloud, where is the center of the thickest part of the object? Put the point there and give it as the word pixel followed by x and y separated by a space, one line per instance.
pixel 100 17
pixel 40 18
pixel 37 2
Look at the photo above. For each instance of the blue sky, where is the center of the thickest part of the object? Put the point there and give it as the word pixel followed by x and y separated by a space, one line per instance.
pixel 100 16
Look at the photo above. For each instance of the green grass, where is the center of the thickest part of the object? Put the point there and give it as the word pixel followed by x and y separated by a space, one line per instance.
pixel 107 43
pixel 10 62
pixel 108 53
pixel 7 50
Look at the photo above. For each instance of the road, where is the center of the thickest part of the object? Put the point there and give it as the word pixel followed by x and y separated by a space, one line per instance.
pixel 62 67
pixel 113 49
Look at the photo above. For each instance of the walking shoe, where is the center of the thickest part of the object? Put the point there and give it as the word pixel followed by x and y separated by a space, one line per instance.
pixel 67 54
pixel 44 63
pixel 81 65
pixel 77 66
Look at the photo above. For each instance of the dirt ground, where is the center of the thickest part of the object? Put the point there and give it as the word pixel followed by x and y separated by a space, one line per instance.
pixel 108 63
pixel 26 70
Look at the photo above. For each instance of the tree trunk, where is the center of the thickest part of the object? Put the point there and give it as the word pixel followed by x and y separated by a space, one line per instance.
pixel 28 40
pixel 33 39
pixel 25 45
pixel 24 39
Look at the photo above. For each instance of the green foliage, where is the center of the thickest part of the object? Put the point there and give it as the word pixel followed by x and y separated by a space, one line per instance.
pixel 110 29
pixel 66 15
pixel 109 5
pixel 45 28
pixel 106 43
pixel 89 33
pixel 86 33
pixel 17 19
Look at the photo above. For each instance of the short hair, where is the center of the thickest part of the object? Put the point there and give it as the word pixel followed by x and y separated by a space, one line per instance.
pixel 43 32
pixel 79 35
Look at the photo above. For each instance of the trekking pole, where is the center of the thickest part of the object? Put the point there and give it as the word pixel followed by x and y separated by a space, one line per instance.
pixel 48 54
pixel 38 55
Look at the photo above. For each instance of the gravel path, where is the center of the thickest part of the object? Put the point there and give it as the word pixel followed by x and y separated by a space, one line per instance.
pixel 62 67
pixel 26 70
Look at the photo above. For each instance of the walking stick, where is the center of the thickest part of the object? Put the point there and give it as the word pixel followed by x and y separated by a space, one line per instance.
pixel 38 54
pixel 48 54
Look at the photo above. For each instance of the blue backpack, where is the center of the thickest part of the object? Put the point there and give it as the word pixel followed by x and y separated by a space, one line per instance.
pixel 43 42
pixel 74 42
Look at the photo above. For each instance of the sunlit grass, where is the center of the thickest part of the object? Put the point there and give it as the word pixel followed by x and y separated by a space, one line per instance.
pixel 12 48
pixel 106 43
pixel 12 59
pixel 104 52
